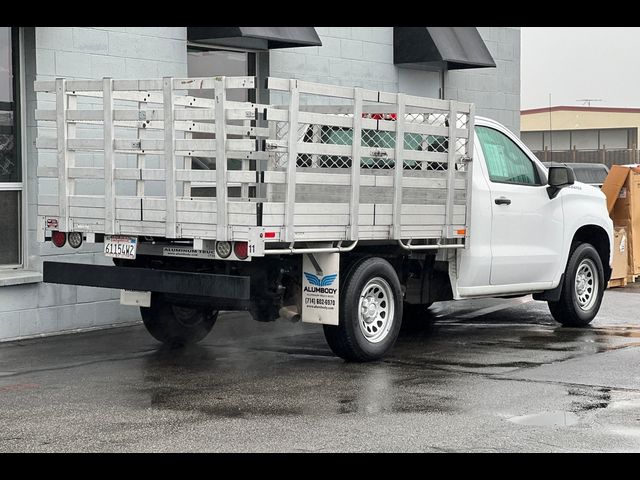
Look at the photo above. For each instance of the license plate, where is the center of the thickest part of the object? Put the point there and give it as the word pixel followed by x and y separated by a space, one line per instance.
pixel 120 247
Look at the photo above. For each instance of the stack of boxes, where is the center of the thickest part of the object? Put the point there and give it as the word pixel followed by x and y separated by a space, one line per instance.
pixel 622 188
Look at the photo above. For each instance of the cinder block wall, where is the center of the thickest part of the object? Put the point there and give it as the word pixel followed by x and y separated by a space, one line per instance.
pixel 348 56
pixel 363 56
pixel 495 91
pixel 74 52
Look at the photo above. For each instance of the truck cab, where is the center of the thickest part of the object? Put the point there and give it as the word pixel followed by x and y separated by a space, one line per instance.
pixel 523 229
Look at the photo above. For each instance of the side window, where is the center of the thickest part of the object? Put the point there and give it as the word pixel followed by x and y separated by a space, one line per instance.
pixel 506 163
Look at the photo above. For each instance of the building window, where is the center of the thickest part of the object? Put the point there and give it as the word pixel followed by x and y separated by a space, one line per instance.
pixel 203 62
pixel 210 62
pixel 11 186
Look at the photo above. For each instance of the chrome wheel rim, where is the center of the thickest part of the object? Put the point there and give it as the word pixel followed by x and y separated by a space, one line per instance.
pixel 586 284
pixel 376 310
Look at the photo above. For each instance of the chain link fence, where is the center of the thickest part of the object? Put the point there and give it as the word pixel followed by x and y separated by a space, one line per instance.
pixel 332 135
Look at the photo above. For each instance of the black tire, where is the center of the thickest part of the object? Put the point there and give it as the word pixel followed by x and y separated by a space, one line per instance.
pixel 177 325
pixel 347 340
pixel 568 310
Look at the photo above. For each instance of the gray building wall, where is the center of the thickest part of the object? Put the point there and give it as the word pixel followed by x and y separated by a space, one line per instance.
pixel 350 56
pixel 363 56
pixel 495 91
pixel 50 52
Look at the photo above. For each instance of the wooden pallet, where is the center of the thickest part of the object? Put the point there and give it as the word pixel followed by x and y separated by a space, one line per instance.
pixel 617 282
pixel 632 278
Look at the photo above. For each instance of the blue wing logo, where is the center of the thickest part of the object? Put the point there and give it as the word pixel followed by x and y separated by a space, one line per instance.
pixel 312 279
pixel 326 281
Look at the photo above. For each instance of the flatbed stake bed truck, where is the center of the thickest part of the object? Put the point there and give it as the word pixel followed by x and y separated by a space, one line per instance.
pixel 340 206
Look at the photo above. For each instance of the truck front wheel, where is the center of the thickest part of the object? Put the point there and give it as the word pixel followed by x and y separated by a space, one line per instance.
pixel 582 290
pixel 177 325
pixel 370 312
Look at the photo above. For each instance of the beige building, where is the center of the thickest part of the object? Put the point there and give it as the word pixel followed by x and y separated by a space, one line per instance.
pixel 564 128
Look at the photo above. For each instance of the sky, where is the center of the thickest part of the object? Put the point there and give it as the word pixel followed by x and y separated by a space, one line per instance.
pixel 573 63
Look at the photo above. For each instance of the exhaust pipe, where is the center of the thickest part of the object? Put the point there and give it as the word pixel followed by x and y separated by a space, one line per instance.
pixel 290 313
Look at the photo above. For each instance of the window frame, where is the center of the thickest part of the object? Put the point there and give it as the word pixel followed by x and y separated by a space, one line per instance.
pixel 254 68
pixel 540 178
pixel 257 66
pixel 17 53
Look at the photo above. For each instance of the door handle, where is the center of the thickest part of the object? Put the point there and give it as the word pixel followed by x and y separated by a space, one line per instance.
pixel 502 201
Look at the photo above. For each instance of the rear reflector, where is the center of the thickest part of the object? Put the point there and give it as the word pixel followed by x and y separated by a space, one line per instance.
pixel 75 239
pixel 269 234
pixel 223 249
pixel 461 232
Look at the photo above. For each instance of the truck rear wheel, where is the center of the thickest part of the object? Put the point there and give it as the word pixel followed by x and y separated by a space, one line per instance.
pixel 177 325
pixel 582 290
pixel 370 312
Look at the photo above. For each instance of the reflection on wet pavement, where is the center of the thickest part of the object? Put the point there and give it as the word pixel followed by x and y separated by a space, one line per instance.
pixel 589 398
pixel 547 419
pixel 456 380
pixel 442 324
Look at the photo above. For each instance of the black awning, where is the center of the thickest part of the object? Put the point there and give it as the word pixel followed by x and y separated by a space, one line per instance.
pixel 261 38
pixel 449 47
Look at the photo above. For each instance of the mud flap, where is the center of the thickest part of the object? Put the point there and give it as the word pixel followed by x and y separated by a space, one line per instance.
pixel 321 288
pixel 552 295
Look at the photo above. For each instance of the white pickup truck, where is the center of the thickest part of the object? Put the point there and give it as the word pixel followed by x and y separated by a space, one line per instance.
pixel 307 208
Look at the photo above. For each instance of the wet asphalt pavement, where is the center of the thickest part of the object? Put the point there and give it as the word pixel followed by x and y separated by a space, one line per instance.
pixel 490 375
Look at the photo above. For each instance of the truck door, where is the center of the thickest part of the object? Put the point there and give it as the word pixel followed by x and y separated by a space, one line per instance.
pixel 527 226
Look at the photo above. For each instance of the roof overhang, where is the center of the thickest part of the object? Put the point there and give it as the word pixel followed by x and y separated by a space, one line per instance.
pixel 258 38
pixel 447 48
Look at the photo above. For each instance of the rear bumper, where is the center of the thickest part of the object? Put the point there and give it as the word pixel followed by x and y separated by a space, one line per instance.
pixel 146 279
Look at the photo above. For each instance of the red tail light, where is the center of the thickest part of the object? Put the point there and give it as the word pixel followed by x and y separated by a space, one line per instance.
pixel 241 249
pixel 381 116
pixel 59 238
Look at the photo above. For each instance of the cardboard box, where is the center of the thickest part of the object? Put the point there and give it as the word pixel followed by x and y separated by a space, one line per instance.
pixel 620 254
pixel 622 188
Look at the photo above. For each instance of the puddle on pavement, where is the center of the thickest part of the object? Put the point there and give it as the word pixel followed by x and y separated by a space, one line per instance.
pixel 624 430
pixel 623 331
pixel 583 341
pixel 547 419
pixel 625 404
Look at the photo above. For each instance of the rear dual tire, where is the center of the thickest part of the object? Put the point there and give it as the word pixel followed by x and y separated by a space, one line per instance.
pixel 177 325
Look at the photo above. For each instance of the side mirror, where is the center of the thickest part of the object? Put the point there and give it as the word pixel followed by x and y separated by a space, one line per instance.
pixel 559 177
